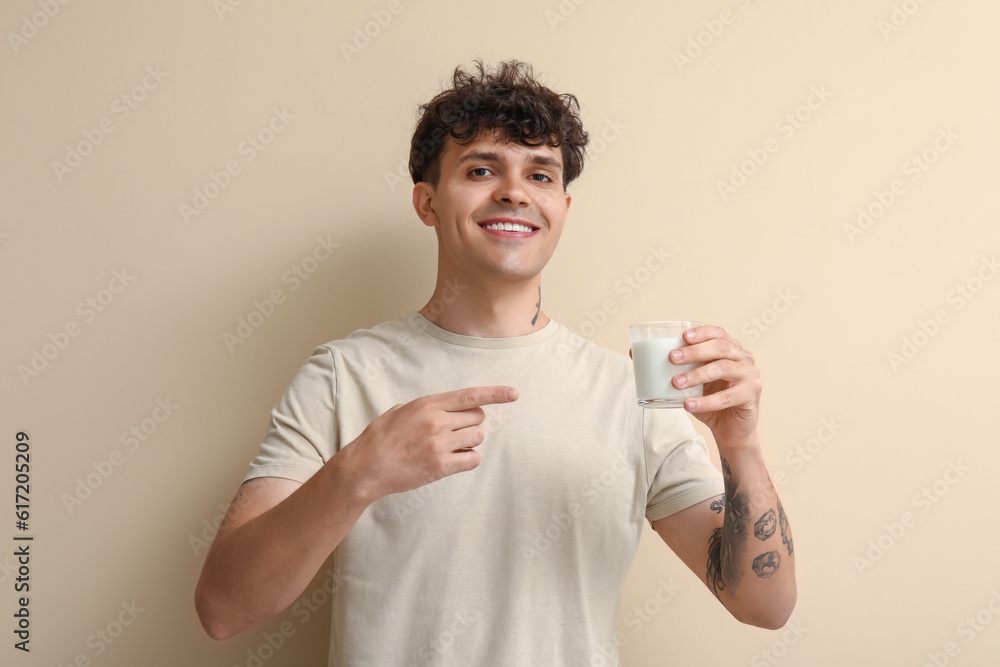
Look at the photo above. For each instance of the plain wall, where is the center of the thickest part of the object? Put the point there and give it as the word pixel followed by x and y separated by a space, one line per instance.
pixel 823 177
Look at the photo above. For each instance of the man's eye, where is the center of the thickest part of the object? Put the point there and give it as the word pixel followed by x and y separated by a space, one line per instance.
pixel 542 177
pixel 480 171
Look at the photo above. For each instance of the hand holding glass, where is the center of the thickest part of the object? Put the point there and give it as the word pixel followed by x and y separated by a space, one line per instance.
pixel 652 342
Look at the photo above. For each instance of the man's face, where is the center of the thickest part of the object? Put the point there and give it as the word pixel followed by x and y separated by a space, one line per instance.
pixel 498 208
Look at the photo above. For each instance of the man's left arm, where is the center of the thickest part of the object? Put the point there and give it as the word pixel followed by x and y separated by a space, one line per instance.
pixel 739 544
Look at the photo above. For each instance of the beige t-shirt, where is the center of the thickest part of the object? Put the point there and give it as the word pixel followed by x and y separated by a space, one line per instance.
pixel 522 560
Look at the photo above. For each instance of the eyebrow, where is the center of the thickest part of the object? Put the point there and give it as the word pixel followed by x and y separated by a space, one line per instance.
pixel 494 156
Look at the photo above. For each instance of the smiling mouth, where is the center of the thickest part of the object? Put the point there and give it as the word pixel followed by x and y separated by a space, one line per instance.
pixel 509 227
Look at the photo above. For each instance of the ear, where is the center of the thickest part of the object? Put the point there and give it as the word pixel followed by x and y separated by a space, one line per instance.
pixel 423 203
pixel 569 200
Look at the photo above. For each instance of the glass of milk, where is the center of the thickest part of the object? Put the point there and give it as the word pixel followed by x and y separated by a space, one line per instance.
pixel 651 343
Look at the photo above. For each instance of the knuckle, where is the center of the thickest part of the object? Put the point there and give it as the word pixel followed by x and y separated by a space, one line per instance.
pixel 437 444
pixel 422 403
pixel 435 422
pixel 727 397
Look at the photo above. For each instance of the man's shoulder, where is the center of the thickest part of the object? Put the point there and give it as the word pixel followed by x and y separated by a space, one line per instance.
pixel 398 330
pixel 572 346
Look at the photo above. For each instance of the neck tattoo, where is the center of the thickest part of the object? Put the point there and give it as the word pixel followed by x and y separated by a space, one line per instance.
pixel 538 306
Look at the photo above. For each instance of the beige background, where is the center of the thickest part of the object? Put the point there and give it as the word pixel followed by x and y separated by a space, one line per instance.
pixel 832 303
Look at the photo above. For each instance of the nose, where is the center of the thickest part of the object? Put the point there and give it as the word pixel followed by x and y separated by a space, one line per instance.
pixel 511 191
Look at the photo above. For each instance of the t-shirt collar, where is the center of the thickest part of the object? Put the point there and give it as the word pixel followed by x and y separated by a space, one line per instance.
pixel 418 321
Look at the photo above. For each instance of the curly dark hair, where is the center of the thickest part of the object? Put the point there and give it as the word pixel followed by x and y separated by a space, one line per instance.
pixel 508 100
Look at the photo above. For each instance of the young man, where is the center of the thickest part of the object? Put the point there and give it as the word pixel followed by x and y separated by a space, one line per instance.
pixel 462 540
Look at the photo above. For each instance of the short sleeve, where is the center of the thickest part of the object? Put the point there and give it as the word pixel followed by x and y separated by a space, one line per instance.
pixel 678 468
pixel 301 436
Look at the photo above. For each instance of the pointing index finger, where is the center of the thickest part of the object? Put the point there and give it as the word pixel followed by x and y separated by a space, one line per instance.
pixel 473 397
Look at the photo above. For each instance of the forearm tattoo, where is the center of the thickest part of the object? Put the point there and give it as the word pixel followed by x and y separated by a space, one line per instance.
pixel 714 576
pixel 765 526
pixel 766 564
pixel 736 504
pixel 786 530
pixel 728 544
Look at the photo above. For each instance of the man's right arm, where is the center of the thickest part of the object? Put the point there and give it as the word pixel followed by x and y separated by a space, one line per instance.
pixel 276 536
pixel 278 533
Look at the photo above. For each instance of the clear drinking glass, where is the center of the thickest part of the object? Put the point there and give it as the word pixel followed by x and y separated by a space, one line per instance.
pixel 651 343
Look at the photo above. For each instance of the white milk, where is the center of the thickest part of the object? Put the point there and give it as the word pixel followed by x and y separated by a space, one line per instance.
pixel 653 373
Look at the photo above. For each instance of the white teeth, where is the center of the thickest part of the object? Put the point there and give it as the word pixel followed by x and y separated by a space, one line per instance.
pixel 509 227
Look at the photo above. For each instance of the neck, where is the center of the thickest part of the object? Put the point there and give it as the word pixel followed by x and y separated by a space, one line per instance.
pixel 486 308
